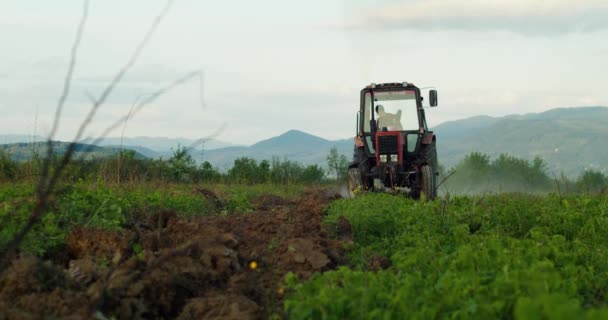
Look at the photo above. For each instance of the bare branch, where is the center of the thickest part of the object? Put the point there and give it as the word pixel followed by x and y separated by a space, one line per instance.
pixel 203 140
pixel 107 91
pixel 121 73
pixel 91 97
pixel 124 127
pixel 140 105
pixel 67 84
pixel 46 185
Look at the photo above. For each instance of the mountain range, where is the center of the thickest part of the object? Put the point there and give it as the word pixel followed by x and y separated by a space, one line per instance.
pixel 570 140
pixel 292 145
pixel 22 151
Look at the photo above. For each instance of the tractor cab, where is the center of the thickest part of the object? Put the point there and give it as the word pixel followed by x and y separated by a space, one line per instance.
pixel 396 151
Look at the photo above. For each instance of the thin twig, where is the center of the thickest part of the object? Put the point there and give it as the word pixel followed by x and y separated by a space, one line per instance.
pixel 121 73
pixel 122 136
pixel 203 140
pixel 107 91
pixel 140 105
pixel 46 185
pixel 67 85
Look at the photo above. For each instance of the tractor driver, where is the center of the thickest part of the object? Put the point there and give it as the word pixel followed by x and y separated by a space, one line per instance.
pixel 388 120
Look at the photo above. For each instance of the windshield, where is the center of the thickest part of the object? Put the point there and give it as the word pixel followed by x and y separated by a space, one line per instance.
pixel 394 110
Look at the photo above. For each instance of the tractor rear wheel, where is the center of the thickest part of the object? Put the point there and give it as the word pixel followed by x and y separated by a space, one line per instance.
pixel 427 186
pixel 354 182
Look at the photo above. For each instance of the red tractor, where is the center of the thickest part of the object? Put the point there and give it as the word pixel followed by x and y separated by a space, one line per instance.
pixel 394 149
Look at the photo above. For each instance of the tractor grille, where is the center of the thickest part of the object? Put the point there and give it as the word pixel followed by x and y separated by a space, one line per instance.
pixel 388 145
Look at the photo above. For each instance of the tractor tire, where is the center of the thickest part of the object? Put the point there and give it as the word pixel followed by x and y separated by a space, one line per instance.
pixel 428 187
pixel 355 185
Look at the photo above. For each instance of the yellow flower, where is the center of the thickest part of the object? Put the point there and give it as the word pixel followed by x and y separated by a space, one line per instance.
pixel 253 265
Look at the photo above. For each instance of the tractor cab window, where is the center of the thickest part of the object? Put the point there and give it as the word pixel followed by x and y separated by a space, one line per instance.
pixel 394 110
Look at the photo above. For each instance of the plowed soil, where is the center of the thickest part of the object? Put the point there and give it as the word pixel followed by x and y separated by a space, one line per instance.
pixel 211 267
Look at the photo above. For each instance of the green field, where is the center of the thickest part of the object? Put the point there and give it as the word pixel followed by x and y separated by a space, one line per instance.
pixel 509 256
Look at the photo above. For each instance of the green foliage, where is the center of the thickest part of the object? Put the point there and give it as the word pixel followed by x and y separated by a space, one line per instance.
pixel 101 206
pixel 206 172
pixel 282 172
pixel 8 167
pixel 476 173
pixel 86 205
pixel 312 174
pixel 338 164
pixel 237 202
pixel 592 181
pixel 247 170
pixel 504 256
pixel 181 165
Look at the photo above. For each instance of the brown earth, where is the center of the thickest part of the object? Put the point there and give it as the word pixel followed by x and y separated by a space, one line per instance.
pixel 220 267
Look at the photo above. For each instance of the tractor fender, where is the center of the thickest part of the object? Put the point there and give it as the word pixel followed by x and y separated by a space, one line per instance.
pixel 428 138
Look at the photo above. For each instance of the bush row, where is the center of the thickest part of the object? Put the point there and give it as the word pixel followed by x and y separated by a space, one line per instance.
pixel 181 167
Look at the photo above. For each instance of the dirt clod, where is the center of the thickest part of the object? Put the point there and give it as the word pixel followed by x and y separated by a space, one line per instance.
pixel 378 262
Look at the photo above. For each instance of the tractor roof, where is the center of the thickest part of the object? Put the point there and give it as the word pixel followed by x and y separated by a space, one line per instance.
pixel 390 84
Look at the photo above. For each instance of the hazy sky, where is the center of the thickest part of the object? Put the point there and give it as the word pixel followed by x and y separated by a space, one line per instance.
pixel 274 65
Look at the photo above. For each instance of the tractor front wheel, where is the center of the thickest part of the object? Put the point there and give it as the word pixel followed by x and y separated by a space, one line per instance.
pixel 354 182
pixel 427 185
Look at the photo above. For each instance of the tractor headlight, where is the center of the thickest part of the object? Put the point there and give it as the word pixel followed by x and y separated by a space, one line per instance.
pixel 382 158
pixel 394 158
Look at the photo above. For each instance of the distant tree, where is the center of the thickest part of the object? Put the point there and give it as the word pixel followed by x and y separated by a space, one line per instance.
pixel 519 175
pixel 247 170
pixel 592 181
pixel 181 165
pixel 312 174
pixel 206 172
pixel 477 163
pixel 337 163
pixel 476 173
pixel 471 174
pixel 263 172
pixel 285 172
pixel 8 167
pixel 539 174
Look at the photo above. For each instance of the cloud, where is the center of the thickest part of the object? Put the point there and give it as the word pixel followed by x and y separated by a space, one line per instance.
pixel 549 17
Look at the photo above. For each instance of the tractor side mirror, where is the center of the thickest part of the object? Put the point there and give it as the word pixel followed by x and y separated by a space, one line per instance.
pixel 433 98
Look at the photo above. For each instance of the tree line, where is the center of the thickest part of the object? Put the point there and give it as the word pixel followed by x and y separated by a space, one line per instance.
pixel 478 173
pixel 475 173
pixel 181 167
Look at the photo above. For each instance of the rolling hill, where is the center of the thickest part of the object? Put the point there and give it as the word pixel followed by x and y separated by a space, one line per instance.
pixel 293 145
pixel 25 151
pixel 570 140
